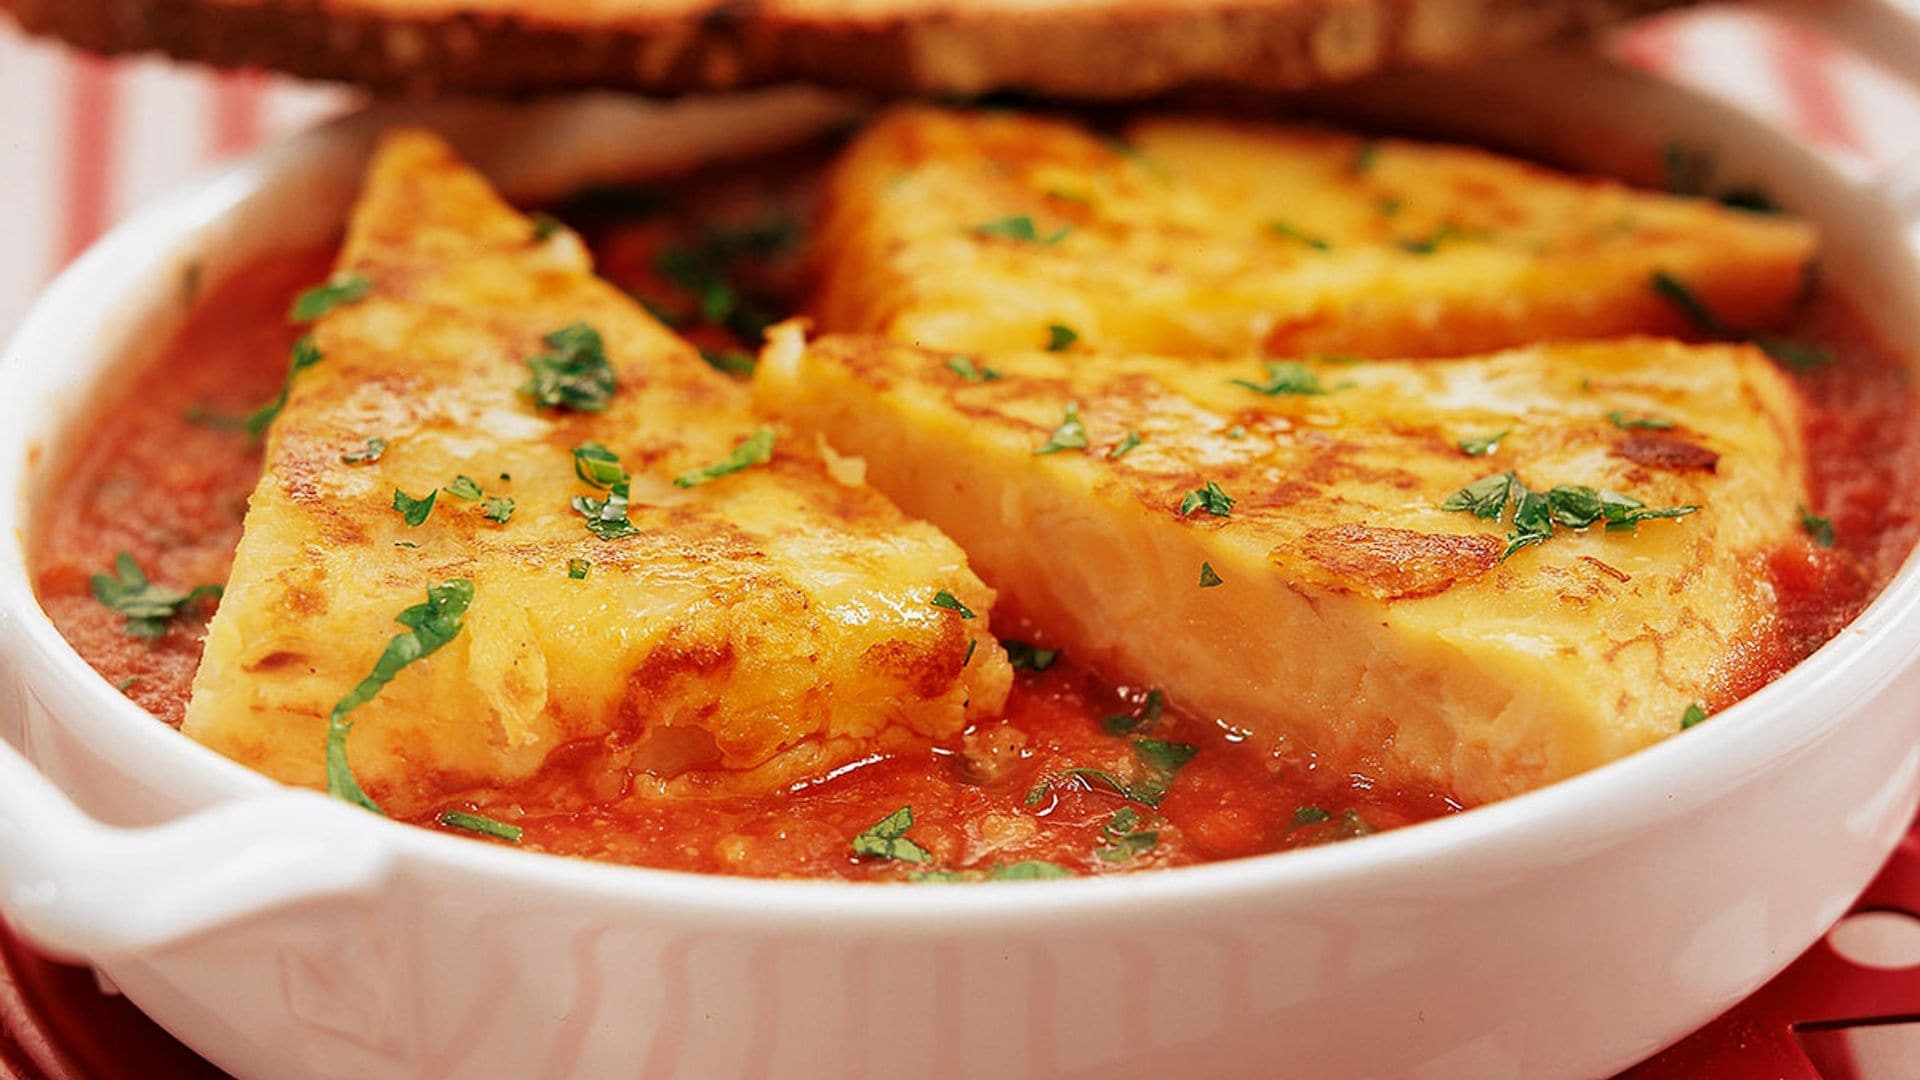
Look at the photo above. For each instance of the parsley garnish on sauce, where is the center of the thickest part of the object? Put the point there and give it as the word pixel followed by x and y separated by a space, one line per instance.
pixel 964 367
pixel 887 839
pixel 1060 338
pixel 1019 228
pixel 1029 657
pixel 305 355
pixel 1286 231
pixel 730 361
pixel 414 511
pixel 1694 713
pixel 1536 513
pixel 317 301
pixel 375 448
pixel 1481 447
pixel 945 599
pixel 480 823
pixel 1208 579
pixel 1160 761
pixel 1070 435
pixel 573 373
pixel 755 449
pixel 429 626
pixel 1125 446
pixel 1621 420
pixel 1209 498
pixel 1817 528
pixel 1127 835
pixel 149 608
pixel 1128 723
pixel 703 269
pixel 1310 815
pixel 1791 353
pixel 1285 377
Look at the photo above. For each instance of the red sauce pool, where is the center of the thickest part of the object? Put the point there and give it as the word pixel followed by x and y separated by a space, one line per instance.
pixel 154 477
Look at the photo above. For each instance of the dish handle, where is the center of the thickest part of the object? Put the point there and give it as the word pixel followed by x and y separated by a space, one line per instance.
pixel 82 890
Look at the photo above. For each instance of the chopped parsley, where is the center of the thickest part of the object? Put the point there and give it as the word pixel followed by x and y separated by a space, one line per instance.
pixel 499 508
pixel 703 270
pixel 317 301
pixel 755 449
pixel 1070 435
pixel 1128 723
pixel 1791 353
pixel 1125 446
pixel 1285 377
pixel 1535 513
pixel 573 373
pixel 597 465
pixel 577 569
pixel 1286 231
pixel 479 823
pixel 1430 243
pixel 375 448
pixel 127 683
pixel 887 839
pixel 1027 657
pixel 1209 498
pixel 1481 447
pixel 730 361
pixel 463 487
pixel 1794 354
pixel 1060 338
pixel 414 511
pixel 945 599
pixel 1208 579
pixel 606 518
pixel 1127 835
pixel 1621 420
pixel 1694 713
pixel 1160 761
pixel 964 367
pixel 149 608
pixel 1019 228
pixel 1310 815
pixel 545 226
pixel 1819 529
pixel 1038 793
pixel 971 646
pixel 305 355
pixel 429 626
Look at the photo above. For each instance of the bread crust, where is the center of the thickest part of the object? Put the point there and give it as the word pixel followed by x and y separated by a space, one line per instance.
pixel 1063 48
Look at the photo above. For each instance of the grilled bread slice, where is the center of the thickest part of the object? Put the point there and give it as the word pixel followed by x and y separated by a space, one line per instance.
pixel 1060 47
pixel 750 619
pixel 980 230
pixel 1402 567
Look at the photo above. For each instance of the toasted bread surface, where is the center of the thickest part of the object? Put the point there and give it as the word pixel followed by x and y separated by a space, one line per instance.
pixel 965 230
pixel 1275 547
pixel 1059 47
pixel 744 629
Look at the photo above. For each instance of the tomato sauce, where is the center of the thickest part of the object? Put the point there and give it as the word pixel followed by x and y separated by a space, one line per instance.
pixel 163 474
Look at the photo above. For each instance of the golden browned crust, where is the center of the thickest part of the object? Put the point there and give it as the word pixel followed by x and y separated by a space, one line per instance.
pixel 1056 47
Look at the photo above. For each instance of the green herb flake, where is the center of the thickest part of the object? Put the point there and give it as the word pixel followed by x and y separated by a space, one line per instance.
pixel 1125 446
pixel 1208 579
pixel 1160 762
pixel 1535 513
pixel 1484 498
pixel 481 824
pixel 305 355
pixel 1285 377
pixel 1675 292
pixel 1621 420
pixel 1366 156
pixel 127 683
pixel 1694 713
pixel 1793 354
pixel 703 270
pixel 149 608
pixel 945 599
pixel 1070 435
pixel 577 569
pixel 1310 815
pixel 1025 657
pixel 321 299
pixel 405 544
pixel 545 226
pixel 429 626
pixel 1019 228
pixel 1129 722
pixel 1484 445
pixel 1288 232
pixel 1430 243
pixel 498 509
pixel 1127 836
pixel 755 449
pixel 1097 779
pixel 1038 793
pixel 964 367
pixel 375 448
pixel 1819 529
pixel 730 361
pixel 1060 338
pixel 463 487
pixel 414 511
pixel 573 373
pixel 597 465
pixel 1209 498
pixel 887 839
pixel 606 518
pixel 1029 870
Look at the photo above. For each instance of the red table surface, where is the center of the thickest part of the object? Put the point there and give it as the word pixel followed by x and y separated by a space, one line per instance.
pixel 56 1024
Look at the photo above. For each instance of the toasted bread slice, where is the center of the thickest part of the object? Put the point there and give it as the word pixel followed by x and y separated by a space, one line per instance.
pixel 735 630
pixel 980 230
pixel 1279 548
pixel 1059 47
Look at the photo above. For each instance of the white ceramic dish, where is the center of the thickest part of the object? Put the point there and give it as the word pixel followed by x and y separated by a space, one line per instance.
pixel 1566 933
